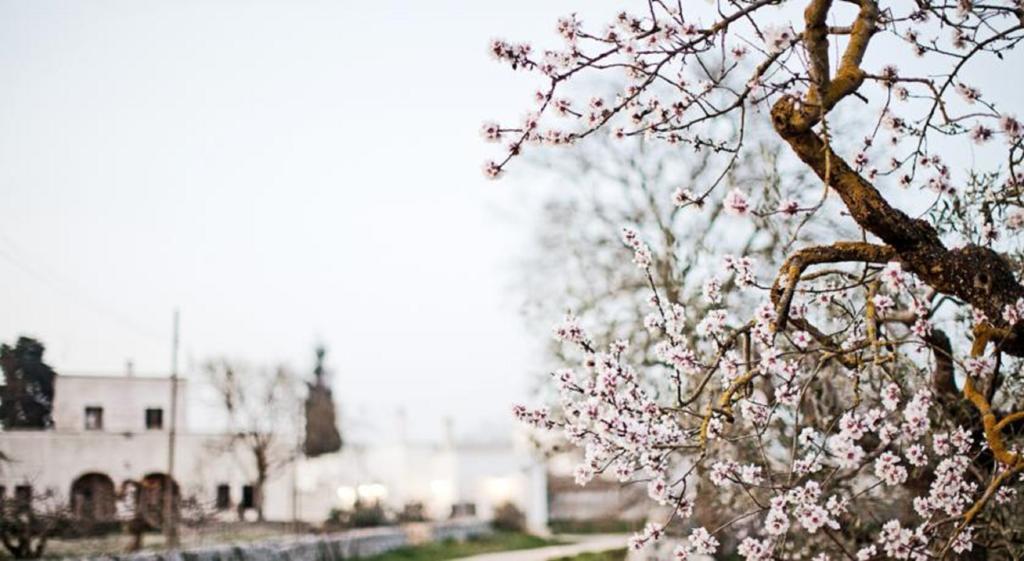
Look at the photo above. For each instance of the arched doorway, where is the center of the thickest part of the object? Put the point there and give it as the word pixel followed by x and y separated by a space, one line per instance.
pixel 93 498
pixel 153 491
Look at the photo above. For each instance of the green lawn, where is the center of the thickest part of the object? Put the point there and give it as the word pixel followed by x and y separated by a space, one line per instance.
pixel 609 555
pixel 440 551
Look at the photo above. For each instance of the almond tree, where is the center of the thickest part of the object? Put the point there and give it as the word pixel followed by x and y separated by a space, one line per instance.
pixel 869 406
pixel 577 260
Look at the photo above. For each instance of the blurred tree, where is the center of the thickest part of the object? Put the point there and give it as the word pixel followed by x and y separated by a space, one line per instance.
pixel 322 436
pixel 29 519
pixel 26 398
pixel 577 263
pixel 262 406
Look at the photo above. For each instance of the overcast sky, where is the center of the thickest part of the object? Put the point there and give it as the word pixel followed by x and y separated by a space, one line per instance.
pixel 283 172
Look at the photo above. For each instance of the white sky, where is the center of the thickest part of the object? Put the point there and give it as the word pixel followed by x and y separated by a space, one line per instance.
pixel 285 173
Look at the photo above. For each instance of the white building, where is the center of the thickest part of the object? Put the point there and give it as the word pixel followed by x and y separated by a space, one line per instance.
pixel 112 429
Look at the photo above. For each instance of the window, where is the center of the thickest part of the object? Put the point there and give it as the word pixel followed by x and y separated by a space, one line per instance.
pixel 93 418
pixel 248 497
pixel 463 509
pixel 154 418
pixel 223 497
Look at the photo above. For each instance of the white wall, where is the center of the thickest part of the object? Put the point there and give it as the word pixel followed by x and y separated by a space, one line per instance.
pixel 396 471
pixel 124 400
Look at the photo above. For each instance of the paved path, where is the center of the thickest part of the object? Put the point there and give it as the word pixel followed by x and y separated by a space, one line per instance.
pixel 580 544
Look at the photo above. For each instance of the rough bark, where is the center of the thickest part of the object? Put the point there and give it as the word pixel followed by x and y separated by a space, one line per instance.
pixel 977 275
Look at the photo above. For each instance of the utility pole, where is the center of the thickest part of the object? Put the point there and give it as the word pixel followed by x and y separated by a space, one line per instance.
pixel 170 512
pixel 295 470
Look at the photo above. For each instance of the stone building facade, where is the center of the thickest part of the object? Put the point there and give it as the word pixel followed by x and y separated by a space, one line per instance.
pixel 109 431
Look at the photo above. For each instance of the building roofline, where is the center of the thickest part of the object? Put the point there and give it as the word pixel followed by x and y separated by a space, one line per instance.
pixel 133 376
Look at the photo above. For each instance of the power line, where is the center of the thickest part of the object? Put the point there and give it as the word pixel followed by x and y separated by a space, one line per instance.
pixel 69 289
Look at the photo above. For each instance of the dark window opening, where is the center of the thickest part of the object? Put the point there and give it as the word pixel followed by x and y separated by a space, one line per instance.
pixel 223 497
pixel 248 497
pixel 93 418
pixel 463 509
pixel 154 418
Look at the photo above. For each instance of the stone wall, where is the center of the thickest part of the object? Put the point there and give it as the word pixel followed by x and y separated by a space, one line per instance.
pixel 326 547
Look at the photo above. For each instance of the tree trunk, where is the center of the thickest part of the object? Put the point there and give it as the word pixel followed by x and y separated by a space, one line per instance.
pixel 262 469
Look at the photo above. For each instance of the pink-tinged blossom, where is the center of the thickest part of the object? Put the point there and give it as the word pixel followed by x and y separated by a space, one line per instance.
pixel 894 276
pixel 915 415
pixel 742 266
pixel 653 321
pixel 891 397
pixel 712 290
pixel 657 490
pixel 1006 495
pixel 866 553
pixel 702 542
pixel 888 432
pixel 776 522
pixel 814 517
pixel 753 549
pixel 916 456
pixel 641 253
pixel 949 491
pixel 969 94
pixel 517 55
pixel 852 426
pixel 1011 127
pixel 897 541
pixel 847 454
pixel 889 470
pixel 921 328
pixel 889 74
pixel 569 330
pixel 723 472
pixel 569 28
pixel 962 543
pixel 737 203
pixel 979 367
pixel 883 303
pixel 492 170
pixel 750 474
pixel 789 207
pixel 713 323
pixel 778 38
pixel 1013 313
pixel 491 132
pixel 961 440
pixel 981 134
pixel 757 413
pixel 681 197
pixel 583 474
